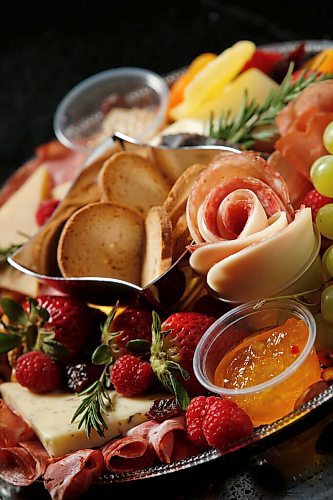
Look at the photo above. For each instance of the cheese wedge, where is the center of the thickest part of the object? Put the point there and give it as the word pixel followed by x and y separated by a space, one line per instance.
pixel 18 214
pixel 50 416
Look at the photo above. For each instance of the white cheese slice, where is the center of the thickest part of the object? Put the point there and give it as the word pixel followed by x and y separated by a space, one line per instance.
pixel 50 417
pixel 18 214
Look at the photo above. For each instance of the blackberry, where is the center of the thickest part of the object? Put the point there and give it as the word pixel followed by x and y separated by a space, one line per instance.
pixel 81 375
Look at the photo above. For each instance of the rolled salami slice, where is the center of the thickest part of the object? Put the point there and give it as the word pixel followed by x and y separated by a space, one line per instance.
pixel 128 453
pixel 162 437
pixel 21 465
pixel 70 476
pixel 13 428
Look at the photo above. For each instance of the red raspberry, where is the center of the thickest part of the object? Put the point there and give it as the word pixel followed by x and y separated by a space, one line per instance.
pixel 38 372
pixel 224 423
pixel 195 414
pixel 315 201
pixel 45 210
pixel 131 376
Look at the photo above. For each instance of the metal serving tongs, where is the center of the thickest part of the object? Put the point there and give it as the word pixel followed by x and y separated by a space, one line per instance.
pixel 38 257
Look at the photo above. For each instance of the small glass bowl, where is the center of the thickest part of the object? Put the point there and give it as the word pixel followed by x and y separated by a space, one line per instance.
pixel 80 119
pixel 276 397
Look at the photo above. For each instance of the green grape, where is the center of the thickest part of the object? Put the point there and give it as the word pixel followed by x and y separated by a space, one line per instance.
pixel 324 220
pixel 322 175
pixel 324 336
pixel 328 138
pixel 327 262
pixel 327 304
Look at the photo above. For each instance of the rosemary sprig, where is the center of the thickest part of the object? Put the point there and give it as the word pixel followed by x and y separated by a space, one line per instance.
pixel 252 121
pixel 96 403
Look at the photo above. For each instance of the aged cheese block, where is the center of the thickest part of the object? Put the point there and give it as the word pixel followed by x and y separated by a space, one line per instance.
pixel 50 417
pixel 18 215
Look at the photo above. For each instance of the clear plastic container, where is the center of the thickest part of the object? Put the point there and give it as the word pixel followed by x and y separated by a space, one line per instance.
pixel 275 397
pixel 121 99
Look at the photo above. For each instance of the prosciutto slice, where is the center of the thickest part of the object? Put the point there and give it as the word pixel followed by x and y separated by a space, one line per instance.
pixel 146 443
pixel 21 465
pixel 12 428
pixel 62 163
pixel 70 476
pixel 301 125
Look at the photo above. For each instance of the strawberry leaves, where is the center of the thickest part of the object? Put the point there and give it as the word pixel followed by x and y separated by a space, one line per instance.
pixel 165 369
pixel 27 328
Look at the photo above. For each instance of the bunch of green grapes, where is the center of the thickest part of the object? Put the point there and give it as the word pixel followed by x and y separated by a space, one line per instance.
pixel 322 178
pixel 324 320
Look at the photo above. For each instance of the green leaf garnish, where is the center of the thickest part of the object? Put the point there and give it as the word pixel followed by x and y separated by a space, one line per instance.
pixel 8 342
pixel 138 345
pixel 252 120
pixel 101 355
pixel 14 311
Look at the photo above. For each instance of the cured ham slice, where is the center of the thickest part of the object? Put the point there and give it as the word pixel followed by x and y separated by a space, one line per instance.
pixel 70 476
pixel 21 465
pixel 162 437
pixel 318 96
pixel 62 163
pixel 302 144
pixel 12 428
pixel 147 442
pixel 301 125
pixel 128 453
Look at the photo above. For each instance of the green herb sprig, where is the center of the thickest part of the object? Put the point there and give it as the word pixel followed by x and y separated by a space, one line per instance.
pixel 254 121
pixel 96 403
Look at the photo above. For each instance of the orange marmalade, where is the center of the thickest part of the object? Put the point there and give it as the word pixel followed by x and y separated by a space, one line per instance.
pixel 261 357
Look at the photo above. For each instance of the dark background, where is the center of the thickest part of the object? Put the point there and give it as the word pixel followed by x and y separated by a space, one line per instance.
pixel 47 47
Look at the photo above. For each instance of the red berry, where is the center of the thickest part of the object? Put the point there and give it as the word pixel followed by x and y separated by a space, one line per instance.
pixel 132 323
pixel 186 329
pixel 131 376
pixel 45 210
pixel 224 423
pixel 71 320
pixel 195 414
pixel 315 201
pixel 38 372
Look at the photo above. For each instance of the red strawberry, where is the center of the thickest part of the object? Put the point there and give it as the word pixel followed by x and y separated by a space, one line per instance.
pixel 131 376
pixel 70 319
pixel 315 201
pixel 224 423
pixel 172 352
pixel 131 324
pixel 195 414
pixel 38 372
pixel 45 210
pixel 186 329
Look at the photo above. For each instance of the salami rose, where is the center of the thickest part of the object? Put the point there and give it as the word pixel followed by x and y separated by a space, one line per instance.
pixel 245 232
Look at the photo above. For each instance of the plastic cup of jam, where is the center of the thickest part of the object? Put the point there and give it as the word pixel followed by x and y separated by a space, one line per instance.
pixel 130 100
pixel 260 356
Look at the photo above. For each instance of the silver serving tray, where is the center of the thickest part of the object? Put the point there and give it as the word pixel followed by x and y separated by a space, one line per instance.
pixel 311 46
